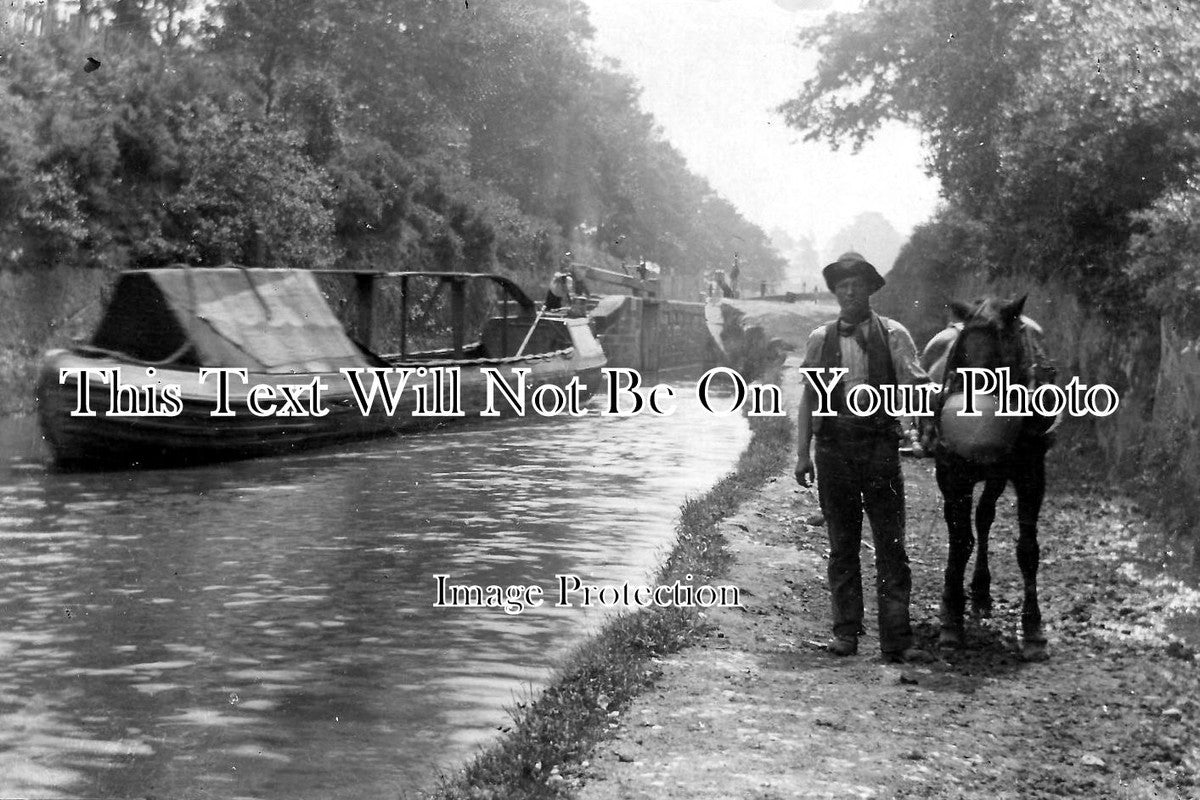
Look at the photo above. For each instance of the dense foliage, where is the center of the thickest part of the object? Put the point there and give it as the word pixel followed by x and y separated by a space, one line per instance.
pixel 397 134
pixel 1066 132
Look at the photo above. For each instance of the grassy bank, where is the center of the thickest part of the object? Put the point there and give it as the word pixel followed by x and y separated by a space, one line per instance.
pixel 541 755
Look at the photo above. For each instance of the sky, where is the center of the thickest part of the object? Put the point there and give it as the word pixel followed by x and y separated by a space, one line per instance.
pixel 711 73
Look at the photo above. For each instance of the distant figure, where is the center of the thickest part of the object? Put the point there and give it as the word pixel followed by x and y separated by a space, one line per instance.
pixel 734 274
pixel 712 289
pixel 561 292
pixel 722 284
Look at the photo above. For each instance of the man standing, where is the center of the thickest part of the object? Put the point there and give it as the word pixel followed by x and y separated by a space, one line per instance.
pixel 561 292
pixel 858 459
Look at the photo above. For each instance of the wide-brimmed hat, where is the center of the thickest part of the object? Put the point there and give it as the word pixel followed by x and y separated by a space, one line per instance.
pixel 850 265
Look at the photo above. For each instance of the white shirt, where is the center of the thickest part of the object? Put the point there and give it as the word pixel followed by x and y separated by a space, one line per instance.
pixel 854 358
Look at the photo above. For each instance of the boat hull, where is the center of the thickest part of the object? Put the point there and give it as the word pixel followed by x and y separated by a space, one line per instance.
pixel 194 435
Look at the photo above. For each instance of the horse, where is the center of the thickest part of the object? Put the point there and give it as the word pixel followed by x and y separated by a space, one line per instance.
pixel 990 334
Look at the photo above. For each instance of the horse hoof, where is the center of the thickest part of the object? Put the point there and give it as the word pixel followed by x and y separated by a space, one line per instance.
pixel 1035 651
pixel 950 638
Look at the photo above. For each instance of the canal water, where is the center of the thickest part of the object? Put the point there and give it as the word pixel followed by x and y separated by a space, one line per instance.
pixel 266 628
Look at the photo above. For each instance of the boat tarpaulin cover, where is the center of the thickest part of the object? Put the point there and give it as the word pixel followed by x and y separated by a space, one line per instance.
pixel 263 320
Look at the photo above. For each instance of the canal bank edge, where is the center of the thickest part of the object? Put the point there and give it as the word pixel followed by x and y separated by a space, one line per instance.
pixel 757 709
pixel 545 751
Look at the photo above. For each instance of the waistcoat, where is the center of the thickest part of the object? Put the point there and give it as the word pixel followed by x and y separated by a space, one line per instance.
pixel 880 370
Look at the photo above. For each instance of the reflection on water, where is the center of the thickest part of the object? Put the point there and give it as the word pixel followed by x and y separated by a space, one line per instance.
pixel 265 628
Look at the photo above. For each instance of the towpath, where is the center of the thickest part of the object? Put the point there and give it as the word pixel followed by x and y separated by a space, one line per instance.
pixel 758 710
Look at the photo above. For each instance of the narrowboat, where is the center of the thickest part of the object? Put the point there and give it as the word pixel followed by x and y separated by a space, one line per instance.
pixel 191 365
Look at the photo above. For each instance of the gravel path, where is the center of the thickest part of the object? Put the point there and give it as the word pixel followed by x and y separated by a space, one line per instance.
pixel 758 710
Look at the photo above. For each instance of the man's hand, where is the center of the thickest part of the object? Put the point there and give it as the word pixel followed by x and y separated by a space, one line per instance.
pixel 804 470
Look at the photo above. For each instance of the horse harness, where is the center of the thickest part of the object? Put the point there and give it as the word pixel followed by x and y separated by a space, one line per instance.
pixel 1030 374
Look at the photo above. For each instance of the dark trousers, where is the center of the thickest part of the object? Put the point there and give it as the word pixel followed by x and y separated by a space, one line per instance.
pixel 853 475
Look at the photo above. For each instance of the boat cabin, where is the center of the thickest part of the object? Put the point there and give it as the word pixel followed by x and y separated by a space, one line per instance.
pixel 289 321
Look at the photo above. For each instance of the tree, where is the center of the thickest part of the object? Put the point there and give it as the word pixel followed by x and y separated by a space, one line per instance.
pixel 40 217
pixel 1166 253
pixel 1052 123
pixel 251 197
pixel 274 35
pixel 363 132
pixel 872 235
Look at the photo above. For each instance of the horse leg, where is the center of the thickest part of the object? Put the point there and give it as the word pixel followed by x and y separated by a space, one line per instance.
pixel 985 514
pixel 1029 480
pixel 956 497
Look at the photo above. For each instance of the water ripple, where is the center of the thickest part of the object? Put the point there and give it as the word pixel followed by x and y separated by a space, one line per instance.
pixel 278 615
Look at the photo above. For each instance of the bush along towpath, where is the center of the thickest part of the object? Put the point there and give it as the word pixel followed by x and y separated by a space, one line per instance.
pixel 758 710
